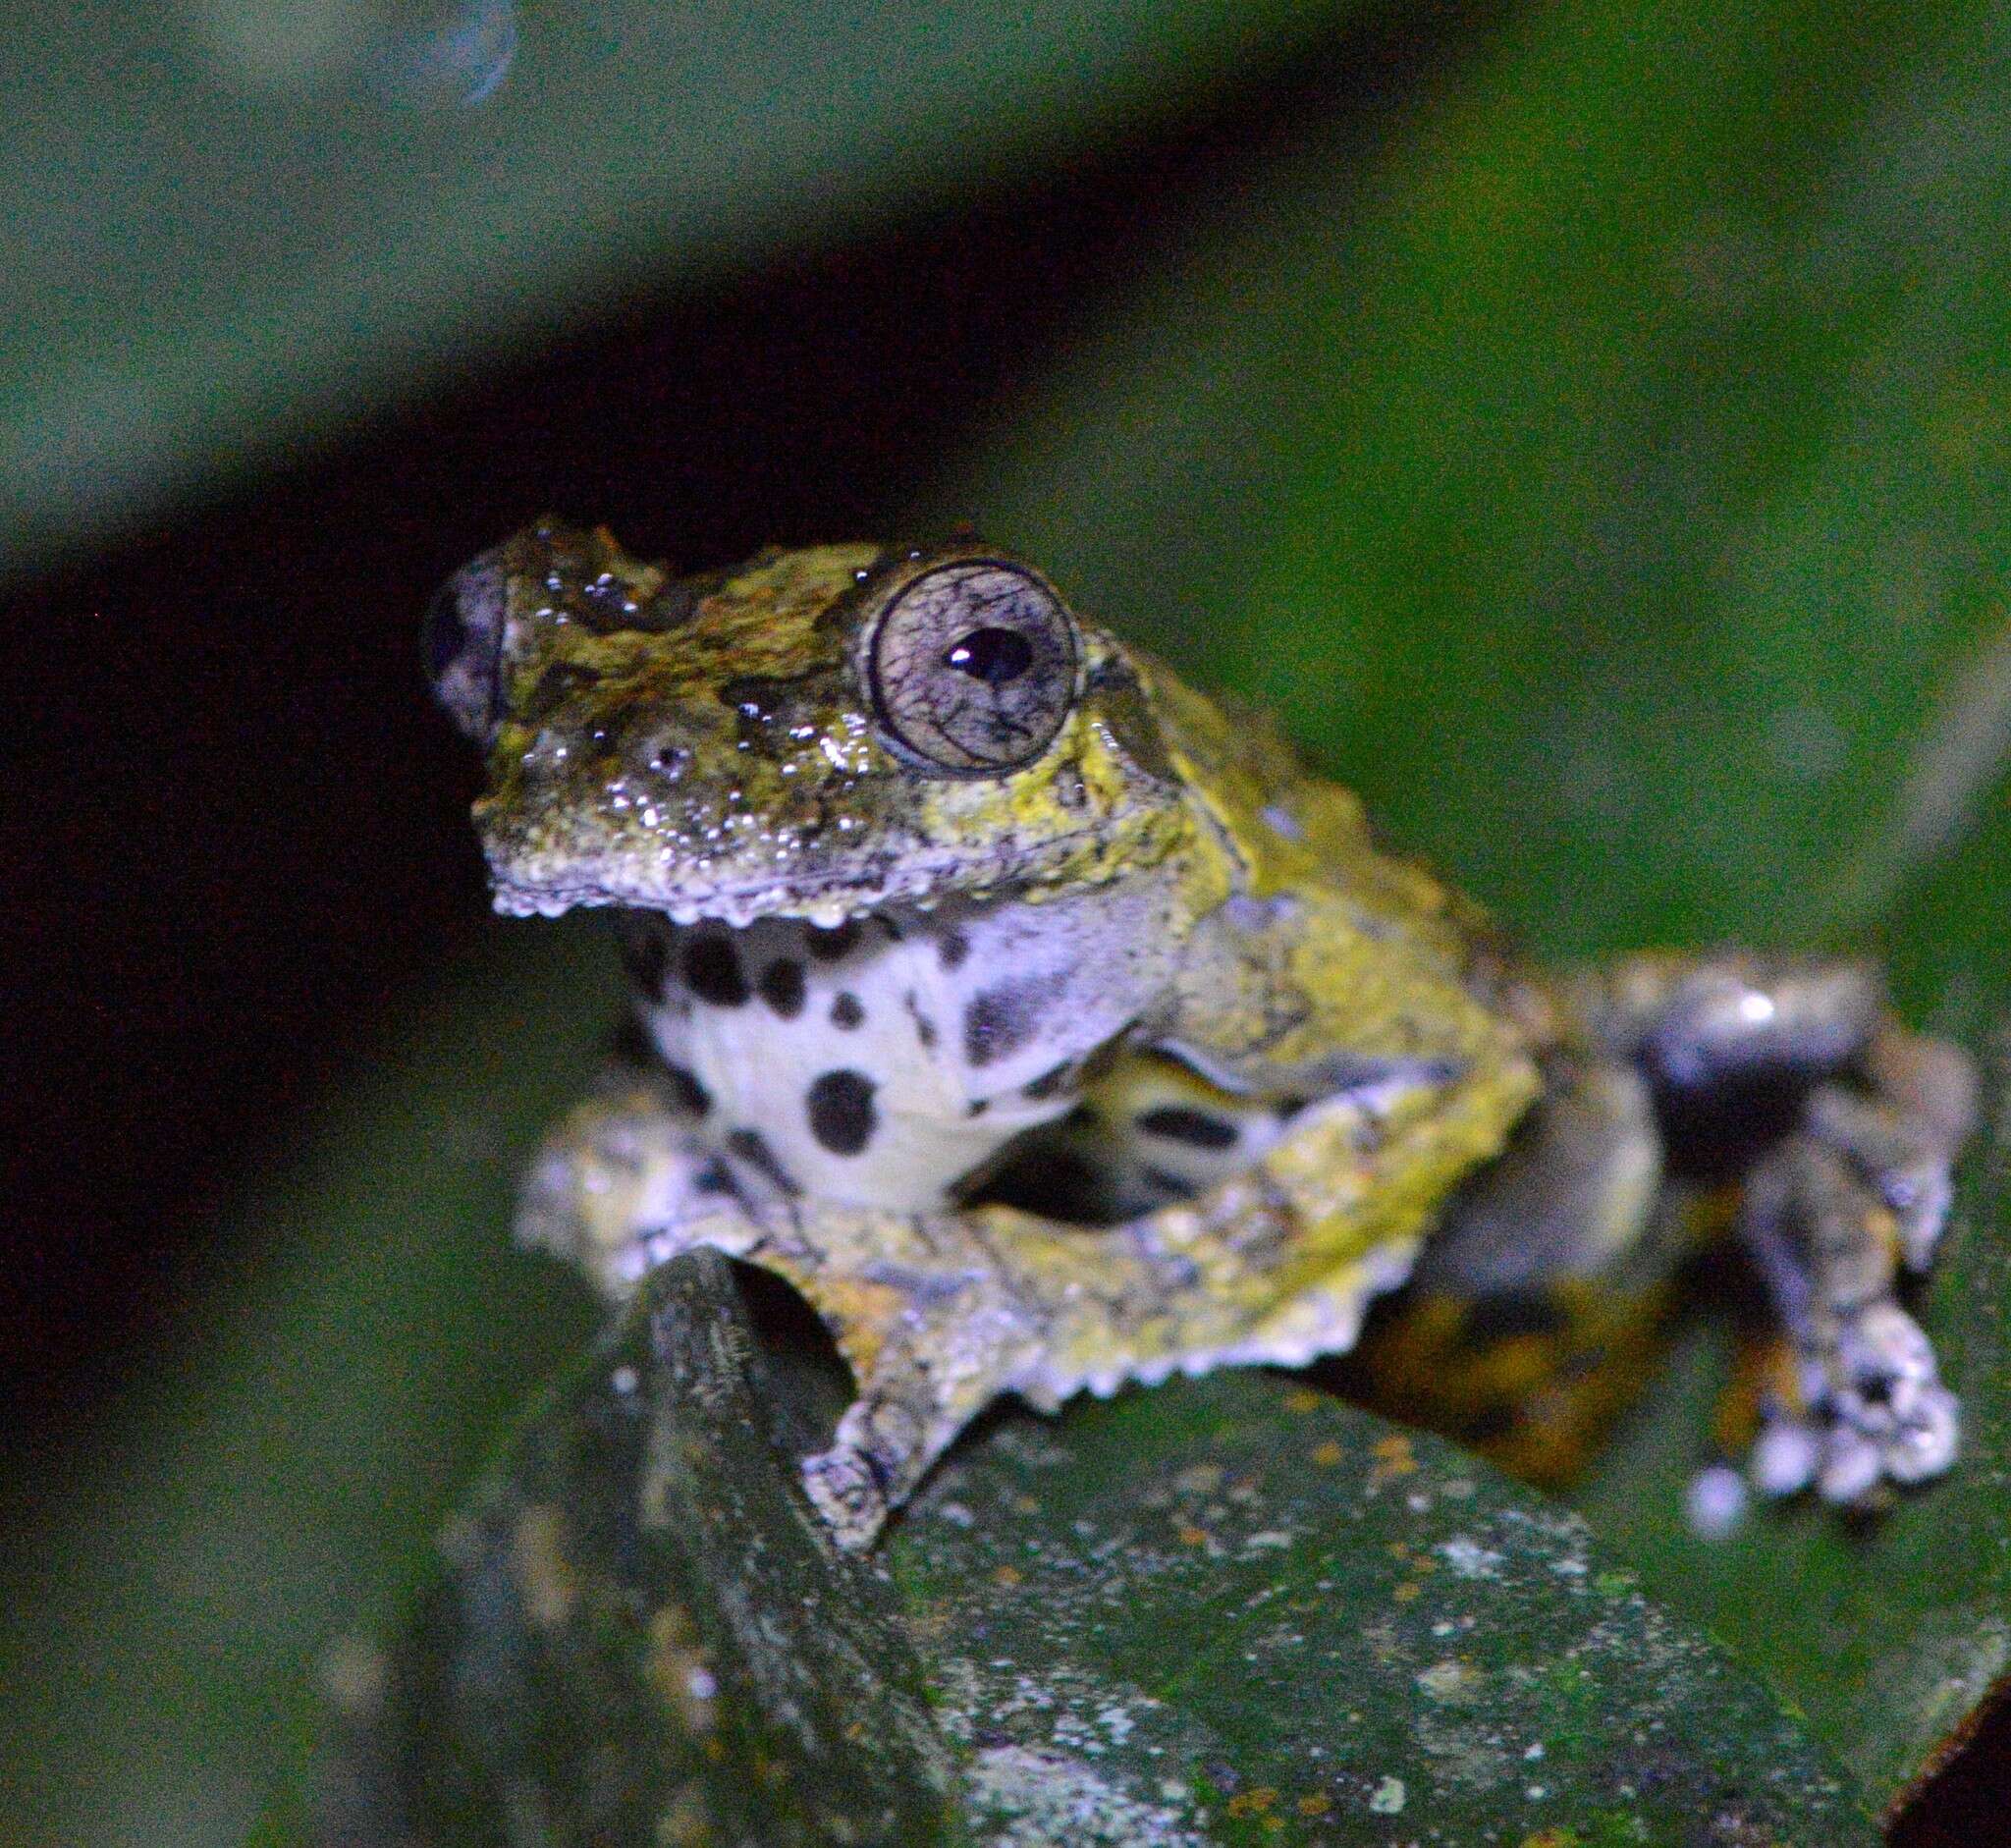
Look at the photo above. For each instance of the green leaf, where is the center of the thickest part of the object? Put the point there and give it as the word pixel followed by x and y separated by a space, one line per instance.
pixel 1627 519
pixel 1597 483
pixel 228 219
pixel 1889 1636
pixel 1221 1612
pixel 643 1634
pixel 307 1431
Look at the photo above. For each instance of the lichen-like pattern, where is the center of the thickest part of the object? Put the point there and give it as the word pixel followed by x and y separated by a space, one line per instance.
pixel 1048 1027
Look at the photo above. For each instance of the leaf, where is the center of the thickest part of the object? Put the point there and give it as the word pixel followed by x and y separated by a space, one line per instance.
pixel 1889 1637
pixel 1613 487
pixel 1220 1612
pixel 230 218
pixel 279 1479
pixel 642 1635
pixel 1597 483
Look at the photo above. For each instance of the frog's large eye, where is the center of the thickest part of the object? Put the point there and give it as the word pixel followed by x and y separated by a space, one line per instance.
pixel 463 645
pixel 973 665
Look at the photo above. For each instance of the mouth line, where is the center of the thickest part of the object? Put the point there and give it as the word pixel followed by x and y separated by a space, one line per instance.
pixel 824 901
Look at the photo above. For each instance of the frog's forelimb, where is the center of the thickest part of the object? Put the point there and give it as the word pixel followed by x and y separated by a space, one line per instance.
pixel 939 1312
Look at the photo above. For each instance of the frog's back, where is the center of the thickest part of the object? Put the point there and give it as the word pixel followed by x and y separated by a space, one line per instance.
pixel 1295 829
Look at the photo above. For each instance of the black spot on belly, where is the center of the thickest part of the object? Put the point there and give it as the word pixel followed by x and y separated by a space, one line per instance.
pixel 712 971
pixel 840 1111
pixel 751 1146
pixel 646 955
pixel 781 988
pixel 689 1093
pixel 925 1028
pixel 845 1010
pixel 953 946
pixel 1000 1020
pixel 1197 1129
pixel 833 945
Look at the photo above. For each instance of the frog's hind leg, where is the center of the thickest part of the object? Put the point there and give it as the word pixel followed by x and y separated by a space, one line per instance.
pixel 1526 1324
pixel 1843 1129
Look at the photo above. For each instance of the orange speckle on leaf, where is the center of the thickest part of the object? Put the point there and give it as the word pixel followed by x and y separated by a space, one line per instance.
pixel 1317 1804
pixel 1252 1802
pixel 1393 1457
pixel 1007 1575
pixel 1304 1399
pixel 1191 1535
pixel 1326 1454
pixel 1406 1591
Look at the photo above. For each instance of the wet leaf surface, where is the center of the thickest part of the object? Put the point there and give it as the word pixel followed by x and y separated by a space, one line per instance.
pixel 1227 1611
pixel 230 218
pixel 643 1634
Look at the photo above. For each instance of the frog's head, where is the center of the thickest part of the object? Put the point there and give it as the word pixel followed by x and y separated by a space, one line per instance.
pixel 813 734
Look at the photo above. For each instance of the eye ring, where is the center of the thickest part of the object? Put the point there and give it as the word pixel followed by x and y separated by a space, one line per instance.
pixel 973 667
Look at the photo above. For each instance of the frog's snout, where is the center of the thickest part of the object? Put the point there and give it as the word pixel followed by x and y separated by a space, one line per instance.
pixel 462 645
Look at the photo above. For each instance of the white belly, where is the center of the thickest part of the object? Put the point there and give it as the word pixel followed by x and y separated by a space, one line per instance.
pixel 883 1064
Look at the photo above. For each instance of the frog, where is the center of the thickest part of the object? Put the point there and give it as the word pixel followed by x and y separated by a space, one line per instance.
pixel 1049 1027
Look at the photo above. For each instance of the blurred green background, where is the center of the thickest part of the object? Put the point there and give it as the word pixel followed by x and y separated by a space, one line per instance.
pixel 1588 424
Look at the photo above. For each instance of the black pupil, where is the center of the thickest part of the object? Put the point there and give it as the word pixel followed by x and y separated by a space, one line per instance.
pixel 992 655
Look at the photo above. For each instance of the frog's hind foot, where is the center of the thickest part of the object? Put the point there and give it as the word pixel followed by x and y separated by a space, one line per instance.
pixel 1833 1214
pixel 1841 1130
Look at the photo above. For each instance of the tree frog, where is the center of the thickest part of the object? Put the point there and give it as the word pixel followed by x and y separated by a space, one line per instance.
pixel 1048 1026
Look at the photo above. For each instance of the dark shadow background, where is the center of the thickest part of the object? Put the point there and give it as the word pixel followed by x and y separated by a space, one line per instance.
pixel 234 829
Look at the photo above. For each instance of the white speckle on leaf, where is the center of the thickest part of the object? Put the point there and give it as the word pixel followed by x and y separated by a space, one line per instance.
pixel 1390 1797
pixel 1715 1501
pixel 1469 1559
pixel 1046 1797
